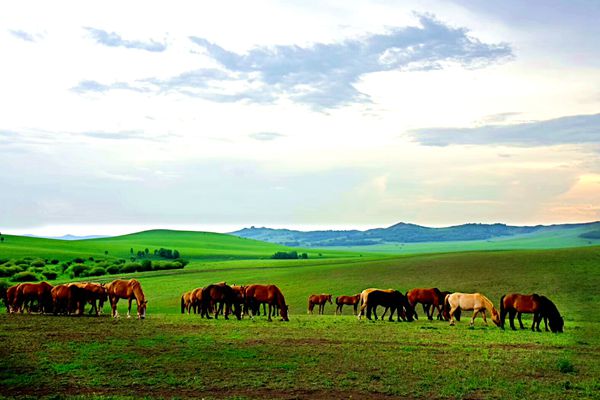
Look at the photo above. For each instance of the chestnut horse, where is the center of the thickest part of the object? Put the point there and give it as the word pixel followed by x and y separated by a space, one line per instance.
pixel 390 298
pixel 223 295
pixel 321 300
pixel 27 293
pixel 62 299
pixel 196 299
pixel 471 301
pixel 517 304
pixel 11 297
pixel 88 292
pixel 431 297
pixel 340 301
pixel 131 289
pixel 239 297
pixel 266 294
pixel 186 302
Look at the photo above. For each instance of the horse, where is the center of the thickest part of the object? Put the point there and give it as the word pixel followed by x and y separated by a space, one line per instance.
pixel 340 301
pixel 186 302
pixel 550 312
pixel 269 294
pixel 514 304
pixel 196 299
pixel 390 298
pixel 471 301
pixel 131 289
pixel 221 294
pixel 321 300
pixel 11 297
pixel 442 314
pixel 239 297
pixel 27 293
pixel 431 297
pixel 62 299
pixel 89 292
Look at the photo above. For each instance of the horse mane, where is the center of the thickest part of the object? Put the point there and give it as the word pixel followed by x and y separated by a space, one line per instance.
pixel 488 303
pixel 549 307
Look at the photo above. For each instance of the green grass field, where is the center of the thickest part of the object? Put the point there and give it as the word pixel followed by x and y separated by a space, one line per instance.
pixel 170 355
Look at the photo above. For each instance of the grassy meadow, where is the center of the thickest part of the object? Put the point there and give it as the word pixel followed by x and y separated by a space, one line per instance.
pixel 170 355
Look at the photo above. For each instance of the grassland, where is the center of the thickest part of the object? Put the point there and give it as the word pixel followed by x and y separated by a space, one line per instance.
pixel 173 355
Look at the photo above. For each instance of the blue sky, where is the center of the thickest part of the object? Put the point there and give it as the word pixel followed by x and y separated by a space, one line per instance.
pixel 330 114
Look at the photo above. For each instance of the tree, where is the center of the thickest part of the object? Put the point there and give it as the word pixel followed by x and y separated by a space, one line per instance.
pixel 1 239
pixel 147 251
pixel 175 254
pixel 131 251
pixel 105 252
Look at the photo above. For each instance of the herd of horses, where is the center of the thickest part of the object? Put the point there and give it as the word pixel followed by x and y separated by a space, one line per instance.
pixel 71 298
pixel 221 298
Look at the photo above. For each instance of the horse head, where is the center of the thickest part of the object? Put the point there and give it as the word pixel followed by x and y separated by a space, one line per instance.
pixel 556 323
pixel 496 317
pixel 284 313
pixel 329 299
pixel 141 312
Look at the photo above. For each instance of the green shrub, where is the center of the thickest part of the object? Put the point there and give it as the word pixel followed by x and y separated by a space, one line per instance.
pixel 4 261
pixel 113 269
pixel 282 255
pixel 79 270
pixel 38 263
pixel 131 267
pixel 565 366
pixel 96 271
pixel 21 262
pixel 78 260
pixel 50 275
pixel 146 265
pixel 25 276
pixel 102 264
pixel 54 261
pixel 36 270
pixel 182 261
pixel 10 271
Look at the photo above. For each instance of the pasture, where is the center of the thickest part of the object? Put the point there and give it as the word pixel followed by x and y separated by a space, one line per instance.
pixel 173 355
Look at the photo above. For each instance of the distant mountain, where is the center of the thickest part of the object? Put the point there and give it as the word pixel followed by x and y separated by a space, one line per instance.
pixel 399 233
pixel 69 237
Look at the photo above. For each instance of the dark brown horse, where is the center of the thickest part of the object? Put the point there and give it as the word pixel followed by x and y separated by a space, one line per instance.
pixel 320 300
pixel 541 307
pixel 266 294
pixel 390 298
pixel 430 297
pixel 340 301
pixel 27 293
pixel 220 295
pixel 131 289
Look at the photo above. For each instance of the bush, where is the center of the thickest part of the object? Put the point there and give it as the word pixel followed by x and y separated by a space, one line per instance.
pixel 4 260
pixel 64 266
pixel 54 261
pixel 50 275
pixel 131 267
pixel 282 255
pixel 21 262
pixel 146 265
pixel 182 261
pixel 113 269
pixel 9 271
pixel 102 264
pixel 25 276
pixel 78 270
pixel 96 271
pixel 565 366
pixel 37 270
pixel 78 260
pixel 38 263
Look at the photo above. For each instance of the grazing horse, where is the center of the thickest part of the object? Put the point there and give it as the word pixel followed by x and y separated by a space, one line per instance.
pixel 550 312
pixel 11 297
pixel 62 299
pixel 319 299
pixel 239 297
pixel 27 293
pixel 515 304
pixel 471 301
pixel 266 294
pixel 186 302
pixel 390 298
pixel 88 292
pixel 431 297
pixel 221 294
pixel 196 299
pixel 131 289
pixel 340 301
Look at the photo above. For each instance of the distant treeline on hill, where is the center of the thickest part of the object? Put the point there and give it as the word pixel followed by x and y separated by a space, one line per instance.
pixel 399 233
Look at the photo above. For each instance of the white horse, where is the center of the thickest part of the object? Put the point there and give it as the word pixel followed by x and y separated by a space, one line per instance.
pixel 476 302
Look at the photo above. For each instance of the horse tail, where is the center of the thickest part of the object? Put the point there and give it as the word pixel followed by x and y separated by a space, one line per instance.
pixel 182 304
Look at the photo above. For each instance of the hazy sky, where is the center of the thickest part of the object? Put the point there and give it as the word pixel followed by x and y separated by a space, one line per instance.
pixel 122 116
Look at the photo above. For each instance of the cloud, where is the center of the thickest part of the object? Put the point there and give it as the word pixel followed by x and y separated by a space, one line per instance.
pixel 94 86
pixel 575 129
pixel 112 39
pixel 23 35
pixel 323 75
pixel 266 136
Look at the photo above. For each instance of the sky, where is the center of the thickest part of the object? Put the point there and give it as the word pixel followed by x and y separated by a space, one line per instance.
pixel 123 116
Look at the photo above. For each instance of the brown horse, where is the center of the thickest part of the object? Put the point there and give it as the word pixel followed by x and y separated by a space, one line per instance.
pixel 390 298
pixel 541 308
pixel 320 300
pixel 340 301
pixel 62 299
pixel 222 295
pixel 239 297
pixel 196 299
pixel 83 293
pixel 186 302
pixel 266 294
pixel 431 297
pixel 471 301
pixel 27 293
pixel 11 297
pixel 131 289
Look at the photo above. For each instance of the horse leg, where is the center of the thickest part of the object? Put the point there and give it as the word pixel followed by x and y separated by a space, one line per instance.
pixel 546 323
pixel 511 317
pixel 129 309
pixel 113 304
pixel 452 310
pixel 484 316
pixel 270 319
pixel 475 311
pixel 520 322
